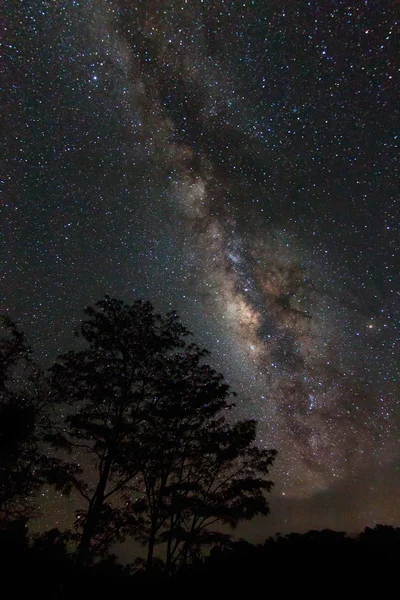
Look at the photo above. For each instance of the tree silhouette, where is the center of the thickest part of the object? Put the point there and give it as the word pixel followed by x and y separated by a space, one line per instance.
pixel 110 387
pixel 25 430
pixel 21 411
pixel 380 535
pixel 196 469
pixel 149 414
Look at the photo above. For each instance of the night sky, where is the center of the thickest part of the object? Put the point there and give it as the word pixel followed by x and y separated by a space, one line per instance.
pixel 237 162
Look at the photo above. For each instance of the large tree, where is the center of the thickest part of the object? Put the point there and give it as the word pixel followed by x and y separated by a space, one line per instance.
pixel 148 414
pixel 110 386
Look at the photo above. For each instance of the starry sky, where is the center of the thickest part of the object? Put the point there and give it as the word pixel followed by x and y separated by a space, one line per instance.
pixel 235 161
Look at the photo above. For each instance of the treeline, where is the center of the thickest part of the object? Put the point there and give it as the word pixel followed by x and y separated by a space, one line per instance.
pixel 315 561
pixel 135 423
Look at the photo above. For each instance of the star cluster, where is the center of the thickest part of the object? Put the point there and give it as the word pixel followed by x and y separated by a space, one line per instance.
pixel 235 161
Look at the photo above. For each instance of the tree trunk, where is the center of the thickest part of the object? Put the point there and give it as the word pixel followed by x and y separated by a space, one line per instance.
pixel 93 514
pixel 150 550
pixel 84 555
pixel 168 564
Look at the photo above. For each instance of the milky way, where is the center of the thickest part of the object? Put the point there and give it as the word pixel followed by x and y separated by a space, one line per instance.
pixel 236 162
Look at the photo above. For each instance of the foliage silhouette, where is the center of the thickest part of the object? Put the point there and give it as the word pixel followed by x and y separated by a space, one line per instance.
pixel 307 561
pixel 148 412
pixel 25 429
pixel 198 470
pixel 17 419
pixel 110 387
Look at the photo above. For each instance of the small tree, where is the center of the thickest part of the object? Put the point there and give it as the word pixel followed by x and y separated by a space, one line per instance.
pixel 25 428
pixel 19 412
pixel 197 469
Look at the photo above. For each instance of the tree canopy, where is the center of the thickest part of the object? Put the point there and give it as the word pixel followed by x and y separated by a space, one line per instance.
pixel 150 415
